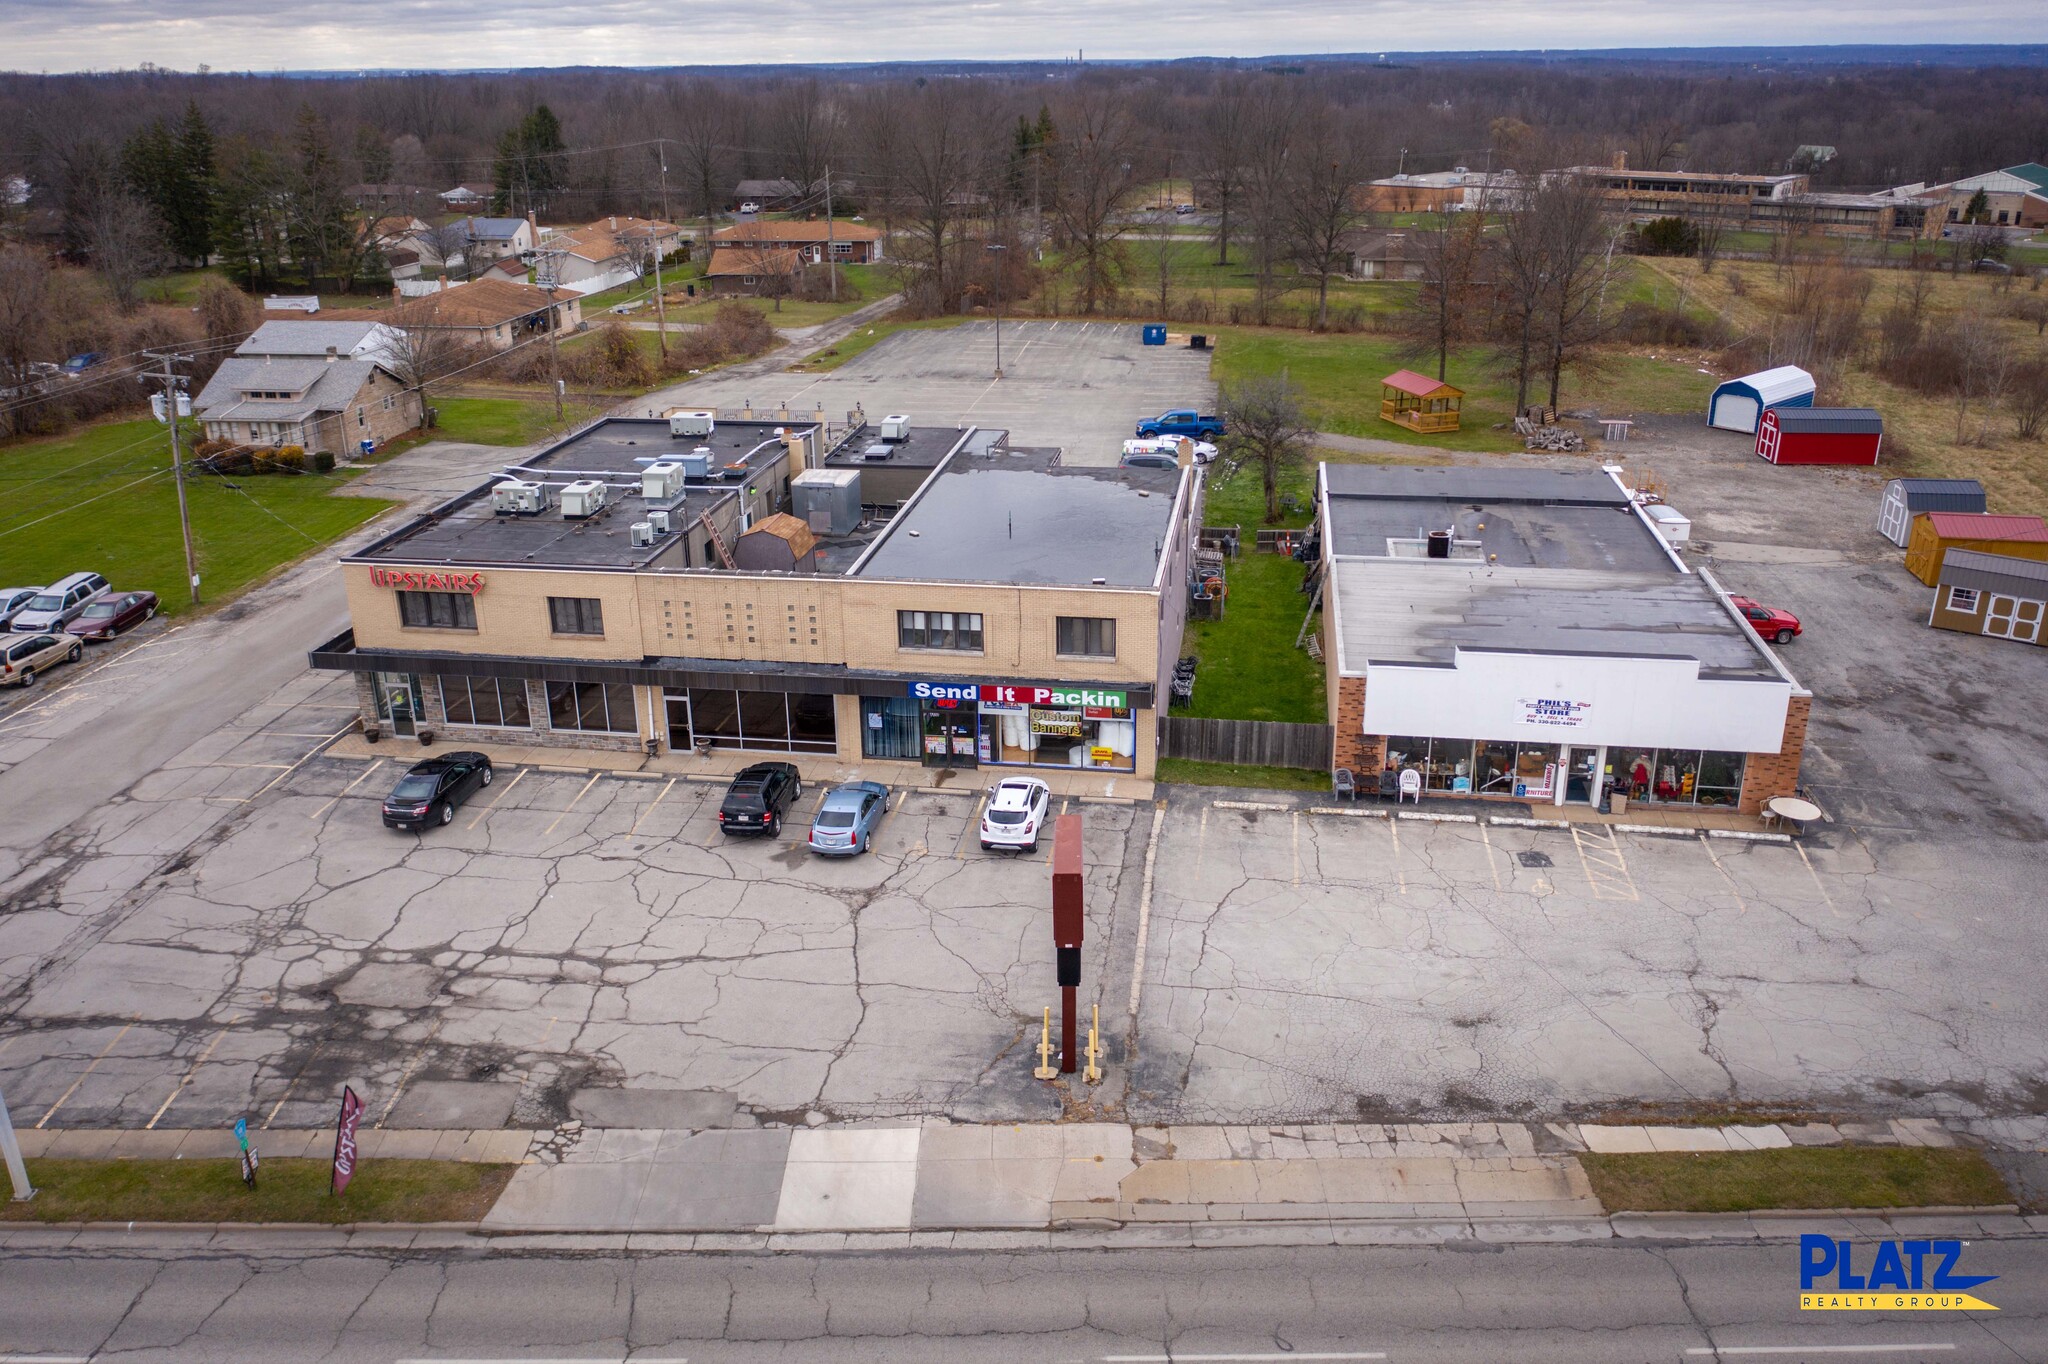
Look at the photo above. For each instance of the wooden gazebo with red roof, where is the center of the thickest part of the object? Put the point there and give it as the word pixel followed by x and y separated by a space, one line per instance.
pixel 1419 402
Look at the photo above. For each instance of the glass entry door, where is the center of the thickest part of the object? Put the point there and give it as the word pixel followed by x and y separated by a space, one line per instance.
pixel 950 737
pixel 1582 776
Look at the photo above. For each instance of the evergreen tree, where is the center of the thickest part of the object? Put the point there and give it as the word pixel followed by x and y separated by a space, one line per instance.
pixel 526 168
pixel 321 234
pixel 191 219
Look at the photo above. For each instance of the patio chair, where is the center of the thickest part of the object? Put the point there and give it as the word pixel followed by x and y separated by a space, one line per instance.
pixel 1390 785
pixel 1411 787
pixel 1342 786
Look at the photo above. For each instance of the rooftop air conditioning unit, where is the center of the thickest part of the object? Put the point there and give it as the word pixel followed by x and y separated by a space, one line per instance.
pixel 643 534
pixel 514 497
pixel 696 464
pixel 661 482
pixel 896 426
pixel 659 520
pixel 697 423
pixel 827 500
pixel 584 497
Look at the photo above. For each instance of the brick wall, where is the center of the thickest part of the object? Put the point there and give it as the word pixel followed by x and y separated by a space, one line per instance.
pixel 1353 747
pixel 1766 775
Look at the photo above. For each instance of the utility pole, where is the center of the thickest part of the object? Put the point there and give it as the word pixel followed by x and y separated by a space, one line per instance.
pixel 996 250
pixel 547 273
pixel 831 251
pixel 172 381
pixel 660 297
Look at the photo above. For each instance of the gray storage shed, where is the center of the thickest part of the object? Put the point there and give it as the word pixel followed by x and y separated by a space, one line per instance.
pixel 1906 498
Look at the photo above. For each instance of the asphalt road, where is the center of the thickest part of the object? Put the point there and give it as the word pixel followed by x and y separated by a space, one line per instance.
pixel 1618 1302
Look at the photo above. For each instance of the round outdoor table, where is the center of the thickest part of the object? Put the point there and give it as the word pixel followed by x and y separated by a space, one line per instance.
pixel 1792 809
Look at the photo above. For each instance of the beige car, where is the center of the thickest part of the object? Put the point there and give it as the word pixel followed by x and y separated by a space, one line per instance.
pixel 23 656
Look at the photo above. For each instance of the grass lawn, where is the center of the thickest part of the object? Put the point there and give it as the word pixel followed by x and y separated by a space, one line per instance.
pixel 286 1191
pixel 1794 1177
pixel 103 498
pixel 1188 772
pixel 1250 669
pixel 501 421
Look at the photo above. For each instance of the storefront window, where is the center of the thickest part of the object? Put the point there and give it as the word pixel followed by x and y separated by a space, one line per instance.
pixel 1535 771
pixel 1041 736
pixel 888 728
pixel 800 722
pixel 1445 764
pixel 1720 780
pixel 1676 776
pixel 593 707
pixel 1493 767
pixel 494 702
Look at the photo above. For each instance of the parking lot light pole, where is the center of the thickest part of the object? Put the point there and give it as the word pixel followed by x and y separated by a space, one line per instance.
pixel 996 250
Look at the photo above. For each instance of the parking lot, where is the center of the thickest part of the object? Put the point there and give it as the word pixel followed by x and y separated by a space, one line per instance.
pixel 1082 386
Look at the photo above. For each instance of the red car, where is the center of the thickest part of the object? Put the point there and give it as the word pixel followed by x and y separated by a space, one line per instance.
pixel 1781 627
pixel 112 614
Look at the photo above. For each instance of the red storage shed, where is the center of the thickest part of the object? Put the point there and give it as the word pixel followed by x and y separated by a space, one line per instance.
pixel 1819 435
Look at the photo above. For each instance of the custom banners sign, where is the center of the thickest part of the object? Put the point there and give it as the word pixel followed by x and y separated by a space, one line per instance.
pixel 345 1140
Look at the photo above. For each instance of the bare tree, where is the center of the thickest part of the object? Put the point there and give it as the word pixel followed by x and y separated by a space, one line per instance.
pixel 1321 200
pixel 1094 179
pixel 24 329
pixel 126 242
pixel 700 116
pixel 944 142
pixel 1450 248
pixel 1274 120
pixel 450 246
pixel 1578 251
pixel 805 121
pixel 1266 425
pixel 1219 174
pixel 1710 232
pixel 2030 398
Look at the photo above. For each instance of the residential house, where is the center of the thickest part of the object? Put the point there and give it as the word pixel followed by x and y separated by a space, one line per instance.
pixel 611 251
pixel 770 196
pixel 1376 254
pixel 469 196
pixel 753 271
pixel 329 404
pixel 384 199
pixel 357 339
pixel 493 239
pixel 491 311
pixel 847 243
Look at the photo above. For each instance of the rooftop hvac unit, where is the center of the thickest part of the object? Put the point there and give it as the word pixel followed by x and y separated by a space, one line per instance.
pixel 877 452
pixel 828 500
pixel 584 497
pixel 660 521
pixel 516 498
pixel 661 482
pixel 643 534
pixel 896 426
pixel 1672 524
pixel 696 464
pixel 700 422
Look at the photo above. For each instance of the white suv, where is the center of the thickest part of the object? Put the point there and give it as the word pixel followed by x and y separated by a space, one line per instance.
pixel 59 604
pixel 1016 813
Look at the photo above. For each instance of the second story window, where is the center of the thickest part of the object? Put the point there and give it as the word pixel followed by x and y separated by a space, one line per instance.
pixel 958 631
pixel 576 615
pixel 437 610
pixel 1086 637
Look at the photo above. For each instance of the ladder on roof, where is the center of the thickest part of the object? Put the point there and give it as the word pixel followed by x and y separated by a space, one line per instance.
pixel 717 540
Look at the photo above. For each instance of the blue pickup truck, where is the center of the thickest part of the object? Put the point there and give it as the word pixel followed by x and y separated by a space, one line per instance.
pixel 1182 421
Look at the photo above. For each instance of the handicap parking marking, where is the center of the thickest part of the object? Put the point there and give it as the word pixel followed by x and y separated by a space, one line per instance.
pixel 1607 873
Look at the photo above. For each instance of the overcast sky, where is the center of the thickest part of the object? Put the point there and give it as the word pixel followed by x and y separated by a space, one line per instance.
pixel 235 35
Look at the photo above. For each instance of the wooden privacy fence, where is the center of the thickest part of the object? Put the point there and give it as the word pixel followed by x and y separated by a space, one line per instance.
pixel 1260 743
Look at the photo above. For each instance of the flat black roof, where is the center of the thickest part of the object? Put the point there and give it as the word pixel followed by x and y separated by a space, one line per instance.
pixel 626 445
pixel 1464 483
pixel 926 446
pixel 1022 517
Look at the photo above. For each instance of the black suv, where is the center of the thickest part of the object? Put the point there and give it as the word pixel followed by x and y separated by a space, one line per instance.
pixel 430 791
pixel 757 798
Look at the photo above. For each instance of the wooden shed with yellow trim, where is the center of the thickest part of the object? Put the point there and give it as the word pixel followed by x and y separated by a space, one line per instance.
pixel 1419 402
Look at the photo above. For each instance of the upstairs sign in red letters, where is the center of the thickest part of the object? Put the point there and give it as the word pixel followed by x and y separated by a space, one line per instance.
pixel 427 580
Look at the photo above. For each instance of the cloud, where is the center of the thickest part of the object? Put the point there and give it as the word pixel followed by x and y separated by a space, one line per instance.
pixel 69 35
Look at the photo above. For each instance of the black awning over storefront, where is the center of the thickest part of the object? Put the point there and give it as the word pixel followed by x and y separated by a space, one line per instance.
pixel 340 654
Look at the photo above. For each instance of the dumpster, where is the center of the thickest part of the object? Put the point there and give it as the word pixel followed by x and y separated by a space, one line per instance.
pixel 1155 333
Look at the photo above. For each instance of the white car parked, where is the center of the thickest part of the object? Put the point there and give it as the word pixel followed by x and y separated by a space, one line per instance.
pixel 1017 811
pixel 1170 447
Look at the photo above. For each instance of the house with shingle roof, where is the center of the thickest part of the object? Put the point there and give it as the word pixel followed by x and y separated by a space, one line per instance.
pixel 330 403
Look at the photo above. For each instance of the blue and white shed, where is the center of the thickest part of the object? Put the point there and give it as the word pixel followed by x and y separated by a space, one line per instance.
pixel 1737 404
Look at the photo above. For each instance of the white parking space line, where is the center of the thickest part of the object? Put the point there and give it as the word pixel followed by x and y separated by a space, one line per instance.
pixel 572 802
pixel 1487 839
pixel 973 827
pixel 1741 905
pixel 649 810
pixel 1730 1351
pixel 1179 1358
pixel 1294 824
pixel 1145 903
pixel 405 1076
pixel 65 1097
pixel 172 1098
pixel 346 789
pixel 503 792
pixel 1400 875
pixel 312 754
pixel 1826 898
pixel 1607 872
pixel 271 1117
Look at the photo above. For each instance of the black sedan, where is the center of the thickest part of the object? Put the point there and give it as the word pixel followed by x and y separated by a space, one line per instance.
pixel 429 793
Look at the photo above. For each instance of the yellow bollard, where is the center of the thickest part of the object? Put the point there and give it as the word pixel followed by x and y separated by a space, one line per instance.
pixel 1092 1072
pixel 1045 1069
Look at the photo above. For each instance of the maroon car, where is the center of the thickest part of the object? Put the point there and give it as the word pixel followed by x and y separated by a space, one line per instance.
pixel 113 614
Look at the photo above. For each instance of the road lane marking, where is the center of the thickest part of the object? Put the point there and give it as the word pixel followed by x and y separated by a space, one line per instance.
pixel 499 799
pixel 1741 906
pixel 272 1115
pixel 635 830
pixel 1606 869
pixel 1145 914
pixel 572 802
pixel 63 1098
pixel 346 789
pixel 1826 899
pixel 165 1106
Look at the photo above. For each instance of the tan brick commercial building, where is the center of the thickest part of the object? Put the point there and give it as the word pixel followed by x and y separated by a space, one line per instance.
pixel 1530 635
pixel 1012 612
